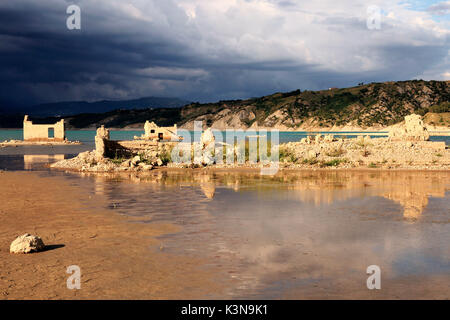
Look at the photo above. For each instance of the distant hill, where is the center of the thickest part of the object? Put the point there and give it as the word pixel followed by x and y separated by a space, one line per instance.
pixel 77 107
pixel 374 106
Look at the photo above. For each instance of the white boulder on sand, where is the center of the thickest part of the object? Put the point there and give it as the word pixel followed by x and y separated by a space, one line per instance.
pixel 26 243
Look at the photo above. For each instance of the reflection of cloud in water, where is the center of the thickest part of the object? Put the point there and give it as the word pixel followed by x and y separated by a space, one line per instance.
pixel 296 229
pixel 410 189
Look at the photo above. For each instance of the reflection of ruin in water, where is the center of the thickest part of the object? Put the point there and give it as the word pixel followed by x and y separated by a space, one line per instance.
pixel 297 229
pixel 409 189
pixel 30 161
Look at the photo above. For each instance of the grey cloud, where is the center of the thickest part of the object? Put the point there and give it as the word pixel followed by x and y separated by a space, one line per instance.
pixel 441 8
pixel 165 53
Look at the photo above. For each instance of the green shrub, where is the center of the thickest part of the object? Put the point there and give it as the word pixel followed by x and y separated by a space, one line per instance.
pixel 332 163
pixel 166 155
pixel 117 160
pixel 440 108
pixel 288 155
pixel 311 161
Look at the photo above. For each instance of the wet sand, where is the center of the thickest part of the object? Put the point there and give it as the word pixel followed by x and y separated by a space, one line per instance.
pixel 119 259
pixel 201 234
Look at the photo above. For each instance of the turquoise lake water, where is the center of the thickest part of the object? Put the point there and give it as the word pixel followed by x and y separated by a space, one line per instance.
pixel 295 235
pixel 87 136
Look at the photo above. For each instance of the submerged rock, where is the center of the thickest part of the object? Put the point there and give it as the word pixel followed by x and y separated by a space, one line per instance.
pixel 26 243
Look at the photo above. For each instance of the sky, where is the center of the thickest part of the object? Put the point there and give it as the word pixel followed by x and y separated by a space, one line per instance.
pixel 210 50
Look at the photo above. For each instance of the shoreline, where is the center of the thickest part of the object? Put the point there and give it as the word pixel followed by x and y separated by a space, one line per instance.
pixel 443 130
pixel 245 170
pixel 123 257
pixel 309 153
pixel 119 258
pixel 18 143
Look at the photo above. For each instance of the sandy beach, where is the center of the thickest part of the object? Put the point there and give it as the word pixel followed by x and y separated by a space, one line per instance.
pixel 119 259
pixel 297 255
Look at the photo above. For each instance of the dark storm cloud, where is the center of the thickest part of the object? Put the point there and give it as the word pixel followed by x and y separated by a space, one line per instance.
pixel 165 48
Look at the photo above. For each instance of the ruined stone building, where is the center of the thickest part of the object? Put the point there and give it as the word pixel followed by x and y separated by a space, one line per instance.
pixel 154 132
pixel 412 130
pixel 43 132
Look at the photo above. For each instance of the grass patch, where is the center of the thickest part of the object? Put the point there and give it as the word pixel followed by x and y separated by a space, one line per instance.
pixel 372 165
pixel 166 155
pixel 332 163
pixel 117 160
pixel 311 161
pixel 336 152
pixel 288 155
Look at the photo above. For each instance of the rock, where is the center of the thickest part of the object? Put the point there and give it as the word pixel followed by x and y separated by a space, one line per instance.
pixel 311 154
pixel 208 159
pixel 26 243
pixel 100 138
pixel 147 167
pixel 84 155
pixel 207 142
pixel 126 164
pixel 318 138
pixel 328 138
pixel 412 130
pixel 159 162
pixel 135 160
pixel 207 139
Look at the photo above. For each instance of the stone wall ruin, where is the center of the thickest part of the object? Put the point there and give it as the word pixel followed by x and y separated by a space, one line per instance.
pixel 43 132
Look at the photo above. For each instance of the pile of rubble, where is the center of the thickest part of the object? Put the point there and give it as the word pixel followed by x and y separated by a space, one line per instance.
pixel 412 130
pixel 113 156
pixel 406 147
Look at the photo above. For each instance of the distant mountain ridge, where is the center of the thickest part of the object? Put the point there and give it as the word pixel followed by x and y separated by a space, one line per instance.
pixel 369 106
pixel 374 105
pixel 69 108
